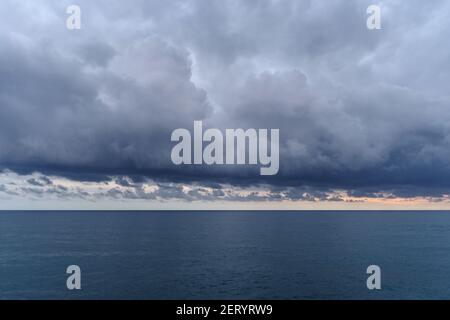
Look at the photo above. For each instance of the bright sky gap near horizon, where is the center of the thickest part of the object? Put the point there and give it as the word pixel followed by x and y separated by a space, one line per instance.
pixel 86 115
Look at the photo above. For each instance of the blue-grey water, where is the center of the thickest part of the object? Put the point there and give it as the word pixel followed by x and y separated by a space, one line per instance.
pixel 225 255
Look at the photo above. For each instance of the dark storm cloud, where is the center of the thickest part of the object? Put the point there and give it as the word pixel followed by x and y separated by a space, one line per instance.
pixel 365 111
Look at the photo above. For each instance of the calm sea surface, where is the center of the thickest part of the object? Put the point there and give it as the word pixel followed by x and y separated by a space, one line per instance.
pixel 225 255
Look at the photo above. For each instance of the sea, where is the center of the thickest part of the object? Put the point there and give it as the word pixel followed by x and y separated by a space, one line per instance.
pixel 225 254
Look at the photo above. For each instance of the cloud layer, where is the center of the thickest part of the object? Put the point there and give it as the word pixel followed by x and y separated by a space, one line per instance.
pixel 362 111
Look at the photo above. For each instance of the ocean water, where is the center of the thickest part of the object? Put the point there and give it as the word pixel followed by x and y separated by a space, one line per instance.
pixel 225 255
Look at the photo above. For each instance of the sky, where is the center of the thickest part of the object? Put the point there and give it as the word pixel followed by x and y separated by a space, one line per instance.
pixel 86 115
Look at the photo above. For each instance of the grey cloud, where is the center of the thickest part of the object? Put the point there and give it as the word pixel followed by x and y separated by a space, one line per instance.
pixel 148 190
pixel 42 181
pixel 365 111
pixel 56 114
pixel 96 53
